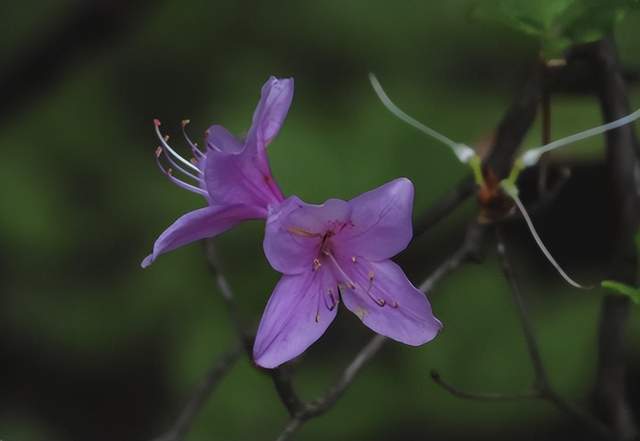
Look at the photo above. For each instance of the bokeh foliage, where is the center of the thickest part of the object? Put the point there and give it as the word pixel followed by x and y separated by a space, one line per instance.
pixel 96 348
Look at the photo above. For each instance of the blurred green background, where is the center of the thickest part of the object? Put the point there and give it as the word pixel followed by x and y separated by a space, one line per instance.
pixel 94 348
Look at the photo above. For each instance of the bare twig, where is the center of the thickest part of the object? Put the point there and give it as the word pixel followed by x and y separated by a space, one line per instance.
pixel 623 152
pixel 542 383
pixel 329 399
pixel 215 266
pixel 542 388
pixel 444 206
pixel 200 396
pixel 469 248
pixel 491 396
pixel 515 124
pixel 281 376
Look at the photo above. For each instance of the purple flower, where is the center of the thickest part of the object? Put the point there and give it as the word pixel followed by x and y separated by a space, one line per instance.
pixel 232 174
pixel 341 250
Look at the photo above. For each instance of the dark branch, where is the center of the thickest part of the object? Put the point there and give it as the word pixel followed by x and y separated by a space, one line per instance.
pixel 515 124
pixel 326 402
pixel 622 153
pixel 200 396
pixel 444 206
pixel 542 384
pixel 215 266
pixel 281 376
pixel 469 249
pixel 482 396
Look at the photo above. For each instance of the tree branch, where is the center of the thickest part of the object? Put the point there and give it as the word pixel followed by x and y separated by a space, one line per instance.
pixel 492 396
pixel 622 153
pixel 200 396
pixel 329 399
pixel 541 382
pixel 472 242
pixel 444 206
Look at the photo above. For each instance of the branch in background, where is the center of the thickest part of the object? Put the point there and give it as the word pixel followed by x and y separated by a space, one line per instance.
pixel 623 164
pixel 326 402
pixel 215 266
pixel 541 383
pixel 200 396
pixel 515 124
pixel 281 376
pixel 491 396
pixel 88 28
pixel 542 388
pixel 444 206
pixel 470 246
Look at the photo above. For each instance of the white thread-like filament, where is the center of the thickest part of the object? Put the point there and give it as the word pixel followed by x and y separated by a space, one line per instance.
pixel 462 151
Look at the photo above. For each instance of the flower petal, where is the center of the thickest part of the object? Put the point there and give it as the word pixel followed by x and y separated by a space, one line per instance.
pixel 275 100
pixel 235 179
pixel 294 232
pixel 198 224
pixel 296 316
pixel 220 139
pixel 236 173
pixel 381 221
pixel 405 314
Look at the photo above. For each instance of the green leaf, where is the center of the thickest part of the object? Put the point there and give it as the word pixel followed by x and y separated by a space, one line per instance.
pixel 558 24
pixel 622 288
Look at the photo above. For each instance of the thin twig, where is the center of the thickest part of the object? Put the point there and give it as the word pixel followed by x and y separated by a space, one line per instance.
pixel 444 206
pixel 281 376
pixel 469 248
pixel 329 399
pixel 491 396
pixel 200 396
pixel 215 266
pixel 542 383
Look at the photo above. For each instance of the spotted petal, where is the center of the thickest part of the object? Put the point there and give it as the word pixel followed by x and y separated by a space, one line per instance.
pixel 294 232
pixel 386 301
pixel 199 224
pixel 297 315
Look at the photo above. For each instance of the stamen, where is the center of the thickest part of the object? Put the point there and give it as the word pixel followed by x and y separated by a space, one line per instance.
pixel 349 282
pixel 333 304
pixel 193 145
pixel 177 166
pixel 178 182
pixel 463 152
pixel 316 264
pixel 163 141
pixel 353 259
pixel 302 232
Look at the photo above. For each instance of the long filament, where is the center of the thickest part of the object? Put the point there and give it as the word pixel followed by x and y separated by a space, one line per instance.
pixel 541 245
pixel 463 152
pixel 531 157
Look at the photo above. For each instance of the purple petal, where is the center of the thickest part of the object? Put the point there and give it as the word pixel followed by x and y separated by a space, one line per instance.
pixel 405 314
pixel 220 139
pixel 381 221
pixel 198 224
pixel 275 100
pixel 240 174
pixel 296 316
pixel 295 231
